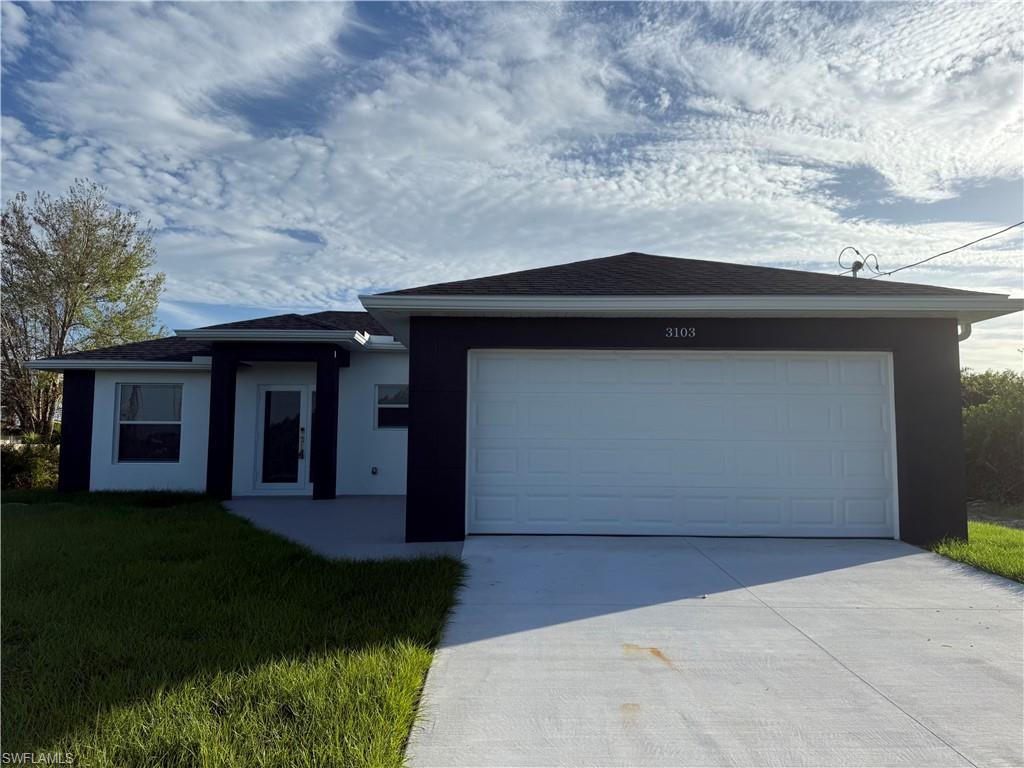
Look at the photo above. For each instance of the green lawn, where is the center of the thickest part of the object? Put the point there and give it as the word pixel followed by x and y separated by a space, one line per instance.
pixel 1010 515
pixel 143 630
pixel 991 547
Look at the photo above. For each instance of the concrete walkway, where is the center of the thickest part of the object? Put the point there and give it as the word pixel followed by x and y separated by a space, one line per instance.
pixel 356 527
pixel 719 652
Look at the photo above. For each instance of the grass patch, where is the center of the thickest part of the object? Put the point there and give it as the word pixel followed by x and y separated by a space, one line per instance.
pixel 993 548
pixel 157 629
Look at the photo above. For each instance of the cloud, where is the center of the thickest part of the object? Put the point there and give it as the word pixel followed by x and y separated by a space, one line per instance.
pixel 15 34
pixel 447 141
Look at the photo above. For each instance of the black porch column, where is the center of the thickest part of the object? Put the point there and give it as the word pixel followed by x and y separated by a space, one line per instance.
pixel 221 445
pixel 325 425
pixel 76 431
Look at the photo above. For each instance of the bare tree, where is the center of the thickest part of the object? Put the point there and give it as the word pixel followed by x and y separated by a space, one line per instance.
pixel 75 276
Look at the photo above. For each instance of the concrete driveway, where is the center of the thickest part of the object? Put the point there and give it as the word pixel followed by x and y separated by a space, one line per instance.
pixel 712 652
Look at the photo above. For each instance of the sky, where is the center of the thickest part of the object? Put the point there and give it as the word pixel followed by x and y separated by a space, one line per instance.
pixel 292 156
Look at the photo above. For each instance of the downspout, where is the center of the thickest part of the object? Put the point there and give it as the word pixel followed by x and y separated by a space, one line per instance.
pixel 964 331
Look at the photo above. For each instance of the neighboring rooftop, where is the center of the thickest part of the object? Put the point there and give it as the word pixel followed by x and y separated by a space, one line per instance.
pixel 641 274
pixel 175 349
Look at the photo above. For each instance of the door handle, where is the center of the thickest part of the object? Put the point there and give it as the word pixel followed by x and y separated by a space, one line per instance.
pixel 302 442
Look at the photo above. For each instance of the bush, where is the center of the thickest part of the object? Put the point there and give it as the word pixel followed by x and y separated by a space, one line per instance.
pixel 29 466
pixel 993 414
pixel 34 438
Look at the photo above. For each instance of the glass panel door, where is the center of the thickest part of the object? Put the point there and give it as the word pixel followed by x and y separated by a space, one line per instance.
pixel 284 439
pixel 282 428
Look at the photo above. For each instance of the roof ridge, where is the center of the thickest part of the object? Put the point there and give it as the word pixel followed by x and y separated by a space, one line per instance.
pixel 636 273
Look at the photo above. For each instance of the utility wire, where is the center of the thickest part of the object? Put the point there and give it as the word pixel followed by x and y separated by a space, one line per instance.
pixel 951 250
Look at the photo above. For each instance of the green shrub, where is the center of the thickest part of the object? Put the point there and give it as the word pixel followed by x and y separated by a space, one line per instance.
pixel 993 417
pixel 34 438
pixel 29 466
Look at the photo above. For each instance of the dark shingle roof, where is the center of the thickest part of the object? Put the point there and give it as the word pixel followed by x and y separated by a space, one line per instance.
pixel 641 274
pixel 351 321
pixel 288 322
pixel 167 350
pixel 181 349
pixel 316 321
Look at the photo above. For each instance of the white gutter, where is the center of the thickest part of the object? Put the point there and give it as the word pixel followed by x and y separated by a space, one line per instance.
pixel 394 311
pixel 964 332
pixel 196 364
pixel 365 342
pixel 356 338
pixel 383 344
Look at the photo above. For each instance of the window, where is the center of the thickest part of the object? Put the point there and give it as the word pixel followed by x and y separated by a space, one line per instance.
pixel 392 406
pixel 148 422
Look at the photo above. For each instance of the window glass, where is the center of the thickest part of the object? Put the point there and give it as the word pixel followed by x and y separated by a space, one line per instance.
pixel 282 417
pixel 151 402
pixel 392 394
pixel 149 442
pixel 392 406
pixel 388 418
pixel 149 422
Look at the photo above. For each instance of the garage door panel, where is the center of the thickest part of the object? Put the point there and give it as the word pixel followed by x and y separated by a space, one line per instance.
pixel 808 372
pixel 683 464
pixel 496 374
pixel 495 461
pixel 549 461
pixel 492 509
pixel 702 443
pixel 699 371
pixel 810 512
pixel 863 372
pixel 495 416
pixel 651 373
pixel 755 369
pixel 667 511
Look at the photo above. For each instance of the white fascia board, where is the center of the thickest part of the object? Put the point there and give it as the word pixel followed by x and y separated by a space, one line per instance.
pixel 196 364
pixel 354 339
pixel 394 311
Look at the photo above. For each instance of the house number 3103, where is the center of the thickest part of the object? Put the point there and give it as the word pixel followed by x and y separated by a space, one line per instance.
pixel 680 332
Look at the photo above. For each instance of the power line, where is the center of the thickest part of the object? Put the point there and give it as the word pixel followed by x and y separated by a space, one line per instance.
pixel 951 250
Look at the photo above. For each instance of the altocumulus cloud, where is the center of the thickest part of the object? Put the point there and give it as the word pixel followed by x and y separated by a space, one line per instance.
pixel 291 156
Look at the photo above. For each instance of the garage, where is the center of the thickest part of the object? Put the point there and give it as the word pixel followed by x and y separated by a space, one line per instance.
pixel 651 442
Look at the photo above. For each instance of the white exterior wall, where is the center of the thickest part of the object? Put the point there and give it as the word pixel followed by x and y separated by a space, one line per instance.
pixel 189 472
pixel 360 445
pixel 247 384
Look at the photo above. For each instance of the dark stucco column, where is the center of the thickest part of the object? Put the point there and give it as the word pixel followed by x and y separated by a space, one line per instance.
pixel 221 443
pixel 76 431
pixel 929 435
pixel 325 426
pixel 436 474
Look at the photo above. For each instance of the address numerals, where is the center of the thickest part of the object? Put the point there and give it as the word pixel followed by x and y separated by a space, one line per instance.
pixel 680 332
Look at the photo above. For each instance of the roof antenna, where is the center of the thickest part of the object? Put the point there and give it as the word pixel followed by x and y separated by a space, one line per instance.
pixel 858 262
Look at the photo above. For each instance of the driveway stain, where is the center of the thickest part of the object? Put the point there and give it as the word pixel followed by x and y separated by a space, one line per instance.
pixel 630 649
pixel 628 710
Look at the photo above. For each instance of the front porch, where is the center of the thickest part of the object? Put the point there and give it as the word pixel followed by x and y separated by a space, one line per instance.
pixel 350 527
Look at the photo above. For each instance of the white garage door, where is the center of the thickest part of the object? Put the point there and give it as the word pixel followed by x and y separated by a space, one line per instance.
pixel 701 443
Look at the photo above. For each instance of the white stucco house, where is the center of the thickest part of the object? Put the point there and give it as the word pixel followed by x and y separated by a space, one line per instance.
pixel 627 395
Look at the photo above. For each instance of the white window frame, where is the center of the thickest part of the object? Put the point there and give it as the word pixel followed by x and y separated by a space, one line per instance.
pixel 377 406
pixel 118 421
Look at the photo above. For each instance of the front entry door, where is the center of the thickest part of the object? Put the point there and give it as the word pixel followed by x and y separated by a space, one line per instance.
pixel 284 439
